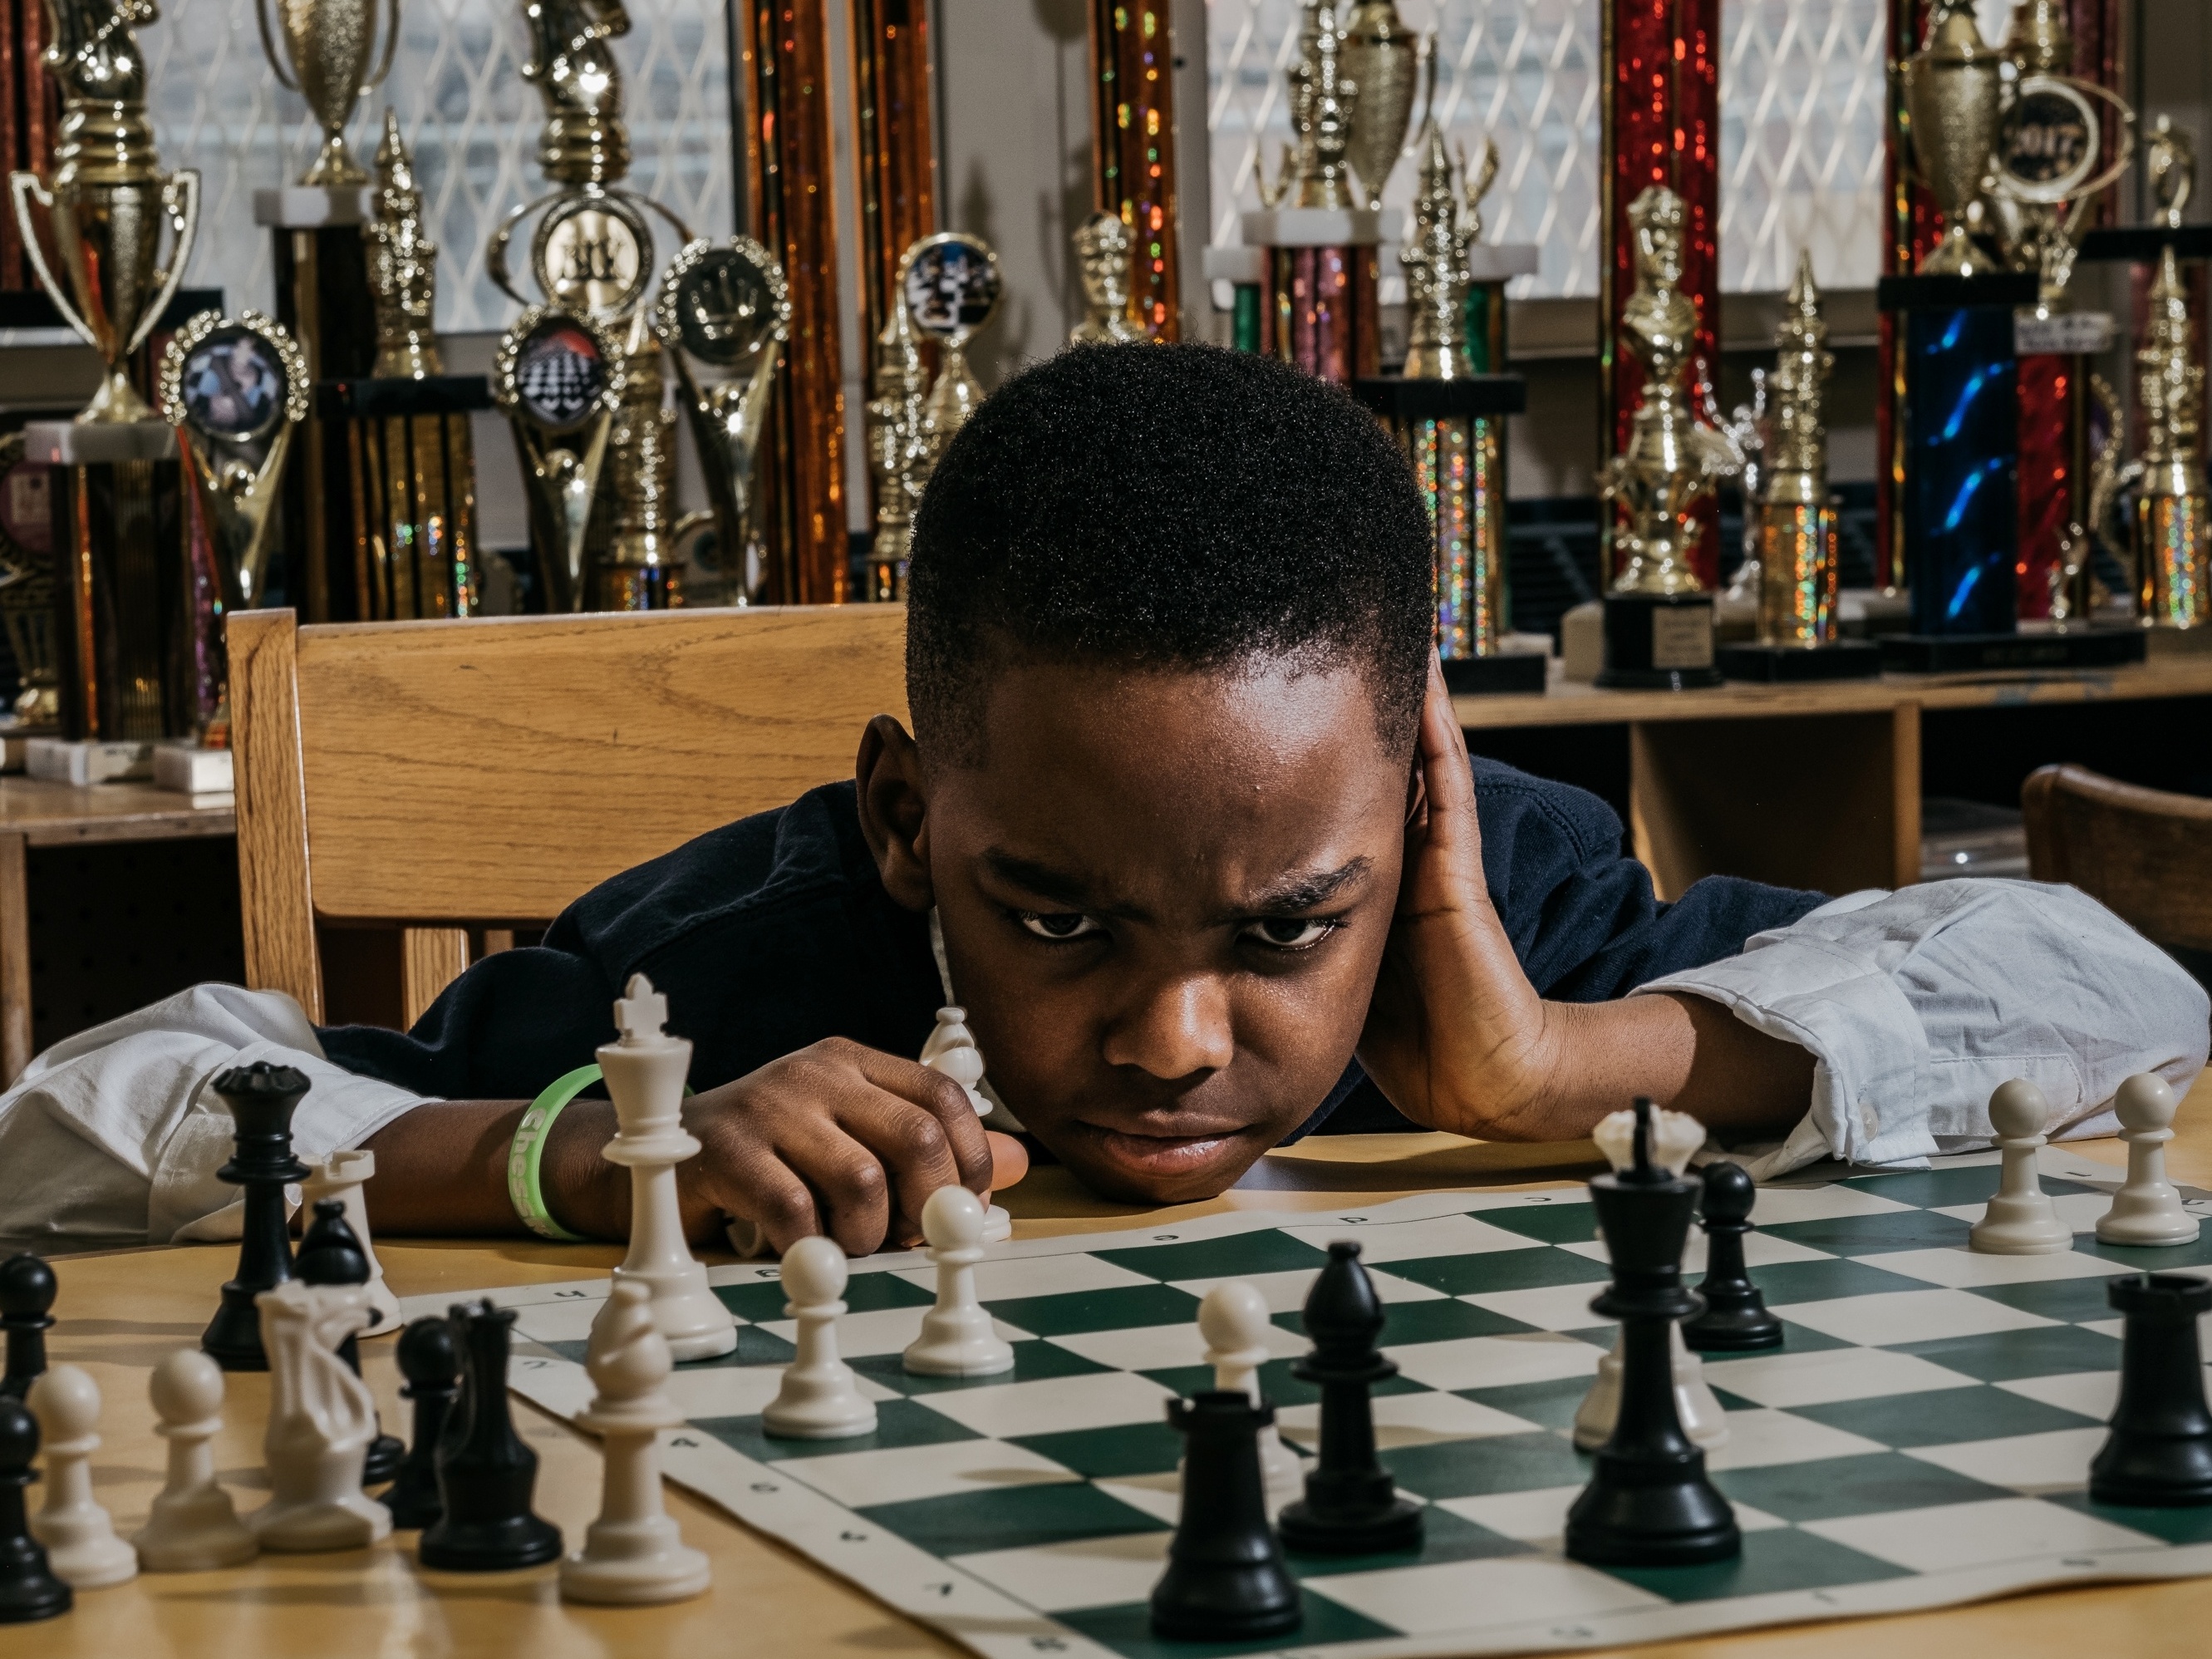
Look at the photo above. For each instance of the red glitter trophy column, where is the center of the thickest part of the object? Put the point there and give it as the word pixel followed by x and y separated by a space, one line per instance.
pixel 1133 147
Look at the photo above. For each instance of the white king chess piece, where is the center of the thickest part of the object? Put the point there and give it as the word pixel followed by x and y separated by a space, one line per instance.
pixel 2020 1220
pixel 951 1048
pixel 1232 1317
pixel 321 1419
pixel 82 1546
pixel 342 1176
pixel 956 1336
pixel 194 1527
pixel 1675 1136
pixel 820 1399
pixel 2146 1210
pixel 645 1070
pixel 633 1553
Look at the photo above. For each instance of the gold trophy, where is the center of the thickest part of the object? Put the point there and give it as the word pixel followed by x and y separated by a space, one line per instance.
pixel 1796 525
pixel 951 285
pixel 106 197
pixel 899 448
pixel 402 267
pixel 2174 508
pixel 1103 246
pixel 1382 61
pixel 1316 172
pixel 1954 100
pixel 1434 257
pixel 328 47
pixel 2170 158
pixel 560 376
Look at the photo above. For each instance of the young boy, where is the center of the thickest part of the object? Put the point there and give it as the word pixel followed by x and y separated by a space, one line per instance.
pixel 1186 824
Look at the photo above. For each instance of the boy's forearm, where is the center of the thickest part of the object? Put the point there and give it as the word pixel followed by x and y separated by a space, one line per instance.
pixel 441 1170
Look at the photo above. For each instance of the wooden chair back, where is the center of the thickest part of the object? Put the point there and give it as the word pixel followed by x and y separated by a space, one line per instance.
pixel 424 779
pixel 2145 854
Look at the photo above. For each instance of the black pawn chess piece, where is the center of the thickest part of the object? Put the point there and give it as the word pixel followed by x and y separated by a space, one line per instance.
pixel 28 1589
pixel 485 1473
pixel 26 1293
pixel 1735 1319
pixel 1226 1580
pixel 262 1098
pixel 2158 1453
pixel 1648 1503
pixel 1352 1506
pixel 330 1253
pixel 431 1362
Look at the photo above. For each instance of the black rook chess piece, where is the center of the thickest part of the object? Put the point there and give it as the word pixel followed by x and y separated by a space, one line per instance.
pixel 1226 1580
pixel 1352 1506
pixel 1735 1319
pixel 485 1473
pixel 28 1589
pixel 2158 1453
pixel 27 1292
pixel 262 1098
pixel 1648 1503
pixel 330 1253
pixel 431 1363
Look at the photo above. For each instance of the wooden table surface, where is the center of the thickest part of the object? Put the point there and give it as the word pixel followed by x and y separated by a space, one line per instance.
pixel 121 1314
pixel 49 814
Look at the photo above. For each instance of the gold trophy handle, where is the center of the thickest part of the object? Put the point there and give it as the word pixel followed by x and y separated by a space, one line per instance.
pixel 277 59
pixel 391 46
pixel 23 188
pixel 184 221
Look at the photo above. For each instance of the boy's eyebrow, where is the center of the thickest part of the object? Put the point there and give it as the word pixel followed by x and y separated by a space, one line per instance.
pixel 1307 889
pixel 1042 879
pixel 1300 889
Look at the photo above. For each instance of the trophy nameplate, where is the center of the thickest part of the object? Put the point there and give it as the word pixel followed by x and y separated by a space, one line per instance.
pixel 559 376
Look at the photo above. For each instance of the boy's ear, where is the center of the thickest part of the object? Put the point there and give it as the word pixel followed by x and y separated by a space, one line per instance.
pixel 894 811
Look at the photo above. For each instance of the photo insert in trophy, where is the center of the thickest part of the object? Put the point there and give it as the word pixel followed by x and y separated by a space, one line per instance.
pixel 559 376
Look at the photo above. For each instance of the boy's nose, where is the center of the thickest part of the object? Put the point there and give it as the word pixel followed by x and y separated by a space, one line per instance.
pixel 1178 1027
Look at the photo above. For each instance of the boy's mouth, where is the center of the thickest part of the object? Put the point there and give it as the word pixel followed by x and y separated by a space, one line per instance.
pixel 1160 1156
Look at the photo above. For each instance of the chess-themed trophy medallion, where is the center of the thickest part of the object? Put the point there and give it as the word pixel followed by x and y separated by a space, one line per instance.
pixel 1658 614
pixel 1953 89
pixel 1381 58
pixel 1102 249
pixel 2173 506
pixel 899 447
pixel 951 284
pixel 725 304
pixel 559 376
pixel 328 49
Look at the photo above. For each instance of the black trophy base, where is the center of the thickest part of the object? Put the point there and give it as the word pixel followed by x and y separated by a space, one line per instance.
pixel 1973 653
pixel 522 1541
pixel 1632 1515
pixel 232 1338
pixel 1382 1530
pixel 1486 677
pixel 1785 664
pixel 1658 642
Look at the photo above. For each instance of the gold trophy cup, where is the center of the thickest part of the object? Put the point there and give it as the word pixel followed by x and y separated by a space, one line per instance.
pixel 328 47
pixel 1381 57
pixel 1954 99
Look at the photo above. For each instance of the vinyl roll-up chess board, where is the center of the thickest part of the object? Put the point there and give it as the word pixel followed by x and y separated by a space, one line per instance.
pixel 1921 1438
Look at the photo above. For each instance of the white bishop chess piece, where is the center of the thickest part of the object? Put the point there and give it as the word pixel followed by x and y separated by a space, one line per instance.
pixel 321 1419
pixel 1675 1137
pixel 820 1399
pixel 633 1553
pixel 956 1336
pixel 194 1527
pixel 951 1048
pixel 2021 1219
pixel 342 1176
pixel 645 1070
pixel 82 1546
pixel 2146 1210
pixel 1232 1317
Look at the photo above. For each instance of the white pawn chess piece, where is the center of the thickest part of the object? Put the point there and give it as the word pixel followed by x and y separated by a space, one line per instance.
pixel 819 1399
pixel 633 1553
pixel 2021 1219
pixel 2146 1210
pixel 951 1048
pixel 321 1419
pixel 342 1176
pixel 1232 1317
pixel 194 1527
pixel 82 1546
pixel 645 1070
pixel 957 1337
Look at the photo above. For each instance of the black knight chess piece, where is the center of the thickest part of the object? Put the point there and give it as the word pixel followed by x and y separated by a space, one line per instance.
pixel 486 1475
pixel 1226 1580
pixel 28 1589
pixel 431 1363
pixel 1735 1319
pixel 1352 1506
pixel 261 1098
pixel 330 1253
pixel 1648 1503
pixel 26 1298
pixel 2158 1453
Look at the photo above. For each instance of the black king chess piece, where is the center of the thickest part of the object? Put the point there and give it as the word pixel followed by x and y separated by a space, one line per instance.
pixel 1226 1580
pixel 2158 1453
pixel 431 1363
pixel 1735 1319
pixel 28 1589
pixel 1648 1503
pixel 485 1473
pixel 330 1253
pixel 26 1298
pixel 1352 1506
pixel 262 1098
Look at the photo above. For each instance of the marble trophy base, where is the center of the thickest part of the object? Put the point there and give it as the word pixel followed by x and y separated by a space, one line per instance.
pixel 1502 674
pixel 1970 654
pixel 1799 664
pixel 1658 642
pixel 83 762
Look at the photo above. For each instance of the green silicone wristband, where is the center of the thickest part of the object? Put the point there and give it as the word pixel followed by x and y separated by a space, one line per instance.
pixel 527 1151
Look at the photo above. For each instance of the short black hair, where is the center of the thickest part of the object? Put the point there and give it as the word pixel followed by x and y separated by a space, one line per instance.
pixel 1167 507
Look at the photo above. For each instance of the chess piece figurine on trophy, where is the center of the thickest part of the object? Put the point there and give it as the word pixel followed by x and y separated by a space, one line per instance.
pixel 1102 249
pixel 951 285
pixel 898 446
pixel 558 375
pixel 1382 59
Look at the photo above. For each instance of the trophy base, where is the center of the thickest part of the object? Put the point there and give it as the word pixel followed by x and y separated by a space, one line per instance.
pixel 1472 397
pixel 311 207
pixel 1798 665
pixel 1972 654
pixel 1508 673
pixel 84 762
pixel 433 394
pixel 188 769
pixel 1658 642
pixel 2141 245
pixel 2161 644
pixel 98 443
pixel 2009 289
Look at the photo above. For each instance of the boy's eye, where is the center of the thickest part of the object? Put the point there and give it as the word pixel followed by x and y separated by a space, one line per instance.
pixel 1291 933
pixel 1059 925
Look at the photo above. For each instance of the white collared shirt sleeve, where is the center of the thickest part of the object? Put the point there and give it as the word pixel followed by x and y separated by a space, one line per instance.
pixel 1915 1005
pixel 112 1137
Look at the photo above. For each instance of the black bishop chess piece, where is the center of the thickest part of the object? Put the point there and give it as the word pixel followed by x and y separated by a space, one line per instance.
pixel 1648 1503
pixel 330 1253
pixel 486 1475
pixel 431 1363
pixel 1225 1580
pixel 2158 1454
pixel 27 1297
pixel 1352 1506
pixel 28 1589
pixel 1735 1319
pixel 262 1098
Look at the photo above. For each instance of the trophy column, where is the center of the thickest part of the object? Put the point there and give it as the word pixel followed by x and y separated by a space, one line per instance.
pixel 1134 148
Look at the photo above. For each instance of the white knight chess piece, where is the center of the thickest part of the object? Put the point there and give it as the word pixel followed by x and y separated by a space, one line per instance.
pixel 82 1546
pixel 194 1527
pixel 321 1419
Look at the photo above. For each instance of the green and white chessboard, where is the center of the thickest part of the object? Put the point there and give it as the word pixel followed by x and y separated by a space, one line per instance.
pixel 1921 1437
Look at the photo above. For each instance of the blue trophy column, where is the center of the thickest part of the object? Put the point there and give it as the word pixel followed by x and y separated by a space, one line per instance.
pixel 1962 454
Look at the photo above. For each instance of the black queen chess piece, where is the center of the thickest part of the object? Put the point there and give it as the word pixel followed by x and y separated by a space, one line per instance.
pixel 486 1475
pixel 2158 1454
pixel 261 1098
pixel 430 1360
pixel 26 1298
pixel 1226 1580
pixel 330 1253
pixel 28 1589
pixel 1735 1319
pixel 1648 1503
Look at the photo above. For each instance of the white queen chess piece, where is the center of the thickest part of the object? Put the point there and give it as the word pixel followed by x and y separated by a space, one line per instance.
pixel 342 1176
pixel 81 1547
pixel 957 1337
pixel 321 1419
pixel 194 1527
pixel 951 1048
pixel 819 1399
pixel 645 1070
pixel 633 1553
pixel 2021 1219
pixel 1232 1317
pixel 2146 1210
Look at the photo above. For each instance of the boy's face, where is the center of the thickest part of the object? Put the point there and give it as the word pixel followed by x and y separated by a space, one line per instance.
pixel 1164 898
